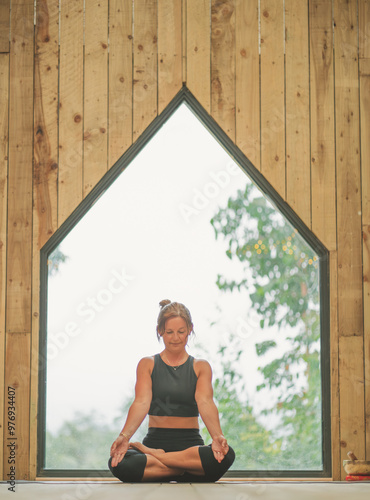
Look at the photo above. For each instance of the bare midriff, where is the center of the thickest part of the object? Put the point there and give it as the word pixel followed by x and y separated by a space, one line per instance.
pixel 174 422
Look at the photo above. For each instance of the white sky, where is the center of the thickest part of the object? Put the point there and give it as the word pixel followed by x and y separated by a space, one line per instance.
pixel 151 227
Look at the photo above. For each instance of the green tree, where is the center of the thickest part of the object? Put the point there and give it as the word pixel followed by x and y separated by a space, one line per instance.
pixel 280 274
pixel 254 446
pixel 55 259
pixel 81 443
pixel 84 441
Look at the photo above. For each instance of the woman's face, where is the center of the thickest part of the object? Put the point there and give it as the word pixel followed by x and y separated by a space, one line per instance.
pixel 176 333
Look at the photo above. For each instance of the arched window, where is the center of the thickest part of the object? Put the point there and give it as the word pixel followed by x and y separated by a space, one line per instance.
pixel 184 215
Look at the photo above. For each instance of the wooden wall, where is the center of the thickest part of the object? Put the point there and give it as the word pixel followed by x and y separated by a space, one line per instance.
pixel 80 81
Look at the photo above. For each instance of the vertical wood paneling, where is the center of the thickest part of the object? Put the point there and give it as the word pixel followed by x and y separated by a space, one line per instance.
pixel 323 181
pixel 351 383
pixel 18 377
pixel 272 94
pixel 169 51
pixel 183 40
pixel 365 178
pixel 247 82
pixel 120 78
pixel 366 291
pixel 4 25
pixel 69 117
pixel 45 182
pixel 364 53
pixel 334 369
pixel 364 28
pixel 19 251
pixel 350 311
pixel 348 169
pixel 18 306
pixel 95 93
pixel 365 134
pixel 223 65
pixel 145 65
pixel 45 186
pixel 4 96
pixel 198 49
pixel 70 107
pixel 297 112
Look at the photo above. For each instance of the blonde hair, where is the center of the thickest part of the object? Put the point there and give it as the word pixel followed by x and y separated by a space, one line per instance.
pixel 172 310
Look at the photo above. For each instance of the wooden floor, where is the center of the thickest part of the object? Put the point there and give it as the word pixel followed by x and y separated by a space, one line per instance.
pixel 113 490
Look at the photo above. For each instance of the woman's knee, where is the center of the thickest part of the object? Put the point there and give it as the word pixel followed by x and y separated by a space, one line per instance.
pixel 214 470
pixel 230 457
pixel 131 468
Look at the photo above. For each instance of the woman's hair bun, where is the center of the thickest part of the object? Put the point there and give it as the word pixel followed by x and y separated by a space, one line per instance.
pixel 164 302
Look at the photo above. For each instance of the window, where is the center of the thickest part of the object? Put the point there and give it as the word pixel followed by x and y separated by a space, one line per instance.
pixel 184 215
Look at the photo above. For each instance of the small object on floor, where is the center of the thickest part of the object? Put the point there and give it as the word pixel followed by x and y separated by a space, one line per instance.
pixel 352 477
pixel 356 468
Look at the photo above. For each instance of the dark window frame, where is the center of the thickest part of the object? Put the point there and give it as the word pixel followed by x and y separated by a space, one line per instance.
pixel 185 96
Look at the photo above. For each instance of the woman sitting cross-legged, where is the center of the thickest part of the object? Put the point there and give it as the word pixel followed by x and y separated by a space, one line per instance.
pixel 173 388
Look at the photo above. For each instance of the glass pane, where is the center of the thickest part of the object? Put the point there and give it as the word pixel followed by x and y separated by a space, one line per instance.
pixel 184 222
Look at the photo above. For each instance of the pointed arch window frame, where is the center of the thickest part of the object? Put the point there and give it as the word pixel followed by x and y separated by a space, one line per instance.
pixel 184 96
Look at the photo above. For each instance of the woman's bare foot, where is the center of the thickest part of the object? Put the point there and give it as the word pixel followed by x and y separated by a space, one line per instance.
pixel 145 449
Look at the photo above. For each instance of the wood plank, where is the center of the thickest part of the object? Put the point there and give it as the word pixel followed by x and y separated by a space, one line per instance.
pixel 364 28
pixel 45 183
pixel 70 107
pixel 17 377
pixel 366 291
pixel 169 51
pixel 272 94
pixel 223 65
pixel 334 369
pixel 18 305
pixel 351 383
pixel 350 308
pixel 348 170
pixel 365 178
pixel 198 50
pixel 247 83
pixel 323 187
pixel 4 103
pixel 95 93
pixel 120 78
pixel 145 65
pixel 4 25
pixel 34 361
pixel 365 134
pixel 298 164
pixel 183 41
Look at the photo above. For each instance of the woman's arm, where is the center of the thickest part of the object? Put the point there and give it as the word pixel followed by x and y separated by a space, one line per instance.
pixel 208 410
pixel 137 412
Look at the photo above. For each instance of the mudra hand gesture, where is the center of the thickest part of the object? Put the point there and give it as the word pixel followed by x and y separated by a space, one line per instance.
pixel 119 449
pixel 220 447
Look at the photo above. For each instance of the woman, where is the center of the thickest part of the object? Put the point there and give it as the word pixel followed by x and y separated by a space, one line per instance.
pixel 173 388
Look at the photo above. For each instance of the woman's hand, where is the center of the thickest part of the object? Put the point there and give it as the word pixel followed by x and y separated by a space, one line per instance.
pixel 118 449
pixel 220 447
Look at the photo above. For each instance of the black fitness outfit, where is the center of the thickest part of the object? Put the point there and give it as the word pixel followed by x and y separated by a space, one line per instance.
pixel 173 392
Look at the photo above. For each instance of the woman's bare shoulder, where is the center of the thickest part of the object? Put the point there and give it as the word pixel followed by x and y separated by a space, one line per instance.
pixel 201 365
pixel 146 363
